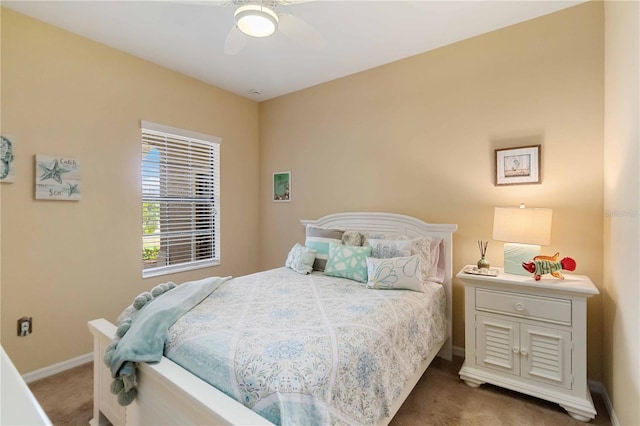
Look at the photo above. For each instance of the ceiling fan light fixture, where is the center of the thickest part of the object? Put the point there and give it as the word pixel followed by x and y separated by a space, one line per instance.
pixel 256 20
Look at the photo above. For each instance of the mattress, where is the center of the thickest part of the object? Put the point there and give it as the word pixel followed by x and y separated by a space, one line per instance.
pixel 309 349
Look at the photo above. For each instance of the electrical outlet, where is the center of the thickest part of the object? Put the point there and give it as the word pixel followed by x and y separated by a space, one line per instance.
pixel 25 326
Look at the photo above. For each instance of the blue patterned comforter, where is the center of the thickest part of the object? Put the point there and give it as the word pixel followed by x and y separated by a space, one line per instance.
pixel 309 349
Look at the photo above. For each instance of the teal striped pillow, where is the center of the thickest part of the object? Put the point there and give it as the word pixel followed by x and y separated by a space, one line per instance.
pixel 319 239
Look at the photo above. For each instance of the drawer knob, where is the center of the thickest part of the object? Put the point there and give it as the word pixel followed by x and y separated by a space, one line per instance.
pixel 515 350
pixel 519 306
pixel 524 352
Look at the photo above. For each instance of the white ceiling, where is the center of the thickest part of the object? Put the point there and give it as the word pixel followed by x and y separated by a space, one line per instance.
pixel 189 36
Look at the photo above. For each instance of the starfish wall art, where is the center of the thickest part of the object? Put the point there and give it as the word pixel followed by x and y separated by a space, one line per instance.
pixel 57 178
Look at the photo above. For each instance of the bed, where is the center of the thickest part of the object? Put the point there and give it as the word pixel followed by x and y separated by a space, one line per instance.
pixel 168 393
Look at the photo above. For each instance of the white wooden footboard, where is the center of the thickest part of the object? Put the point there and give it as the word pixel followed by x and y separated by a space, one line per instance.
pixel 167 394
pixel 170 395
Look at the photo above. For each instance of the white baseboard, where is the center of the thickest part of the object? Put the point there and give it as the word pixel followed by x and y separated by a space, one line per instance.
pixel 57 368
pixel 598 387
pixel 594 386
pixel 458 351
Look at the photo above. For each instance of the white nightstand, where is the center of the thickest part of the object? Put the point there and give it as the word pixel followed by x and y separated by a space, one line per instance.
pixel 529 336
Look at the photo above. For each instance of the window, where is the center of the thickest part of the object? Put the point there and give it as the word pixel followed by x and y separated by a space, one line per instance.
pixel 180 200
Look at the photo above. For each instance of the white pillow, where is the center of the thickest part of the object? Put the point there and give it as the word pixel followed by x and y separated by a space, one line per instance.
pixel 399 273
pixel 432 259
pixel 386 249
pixel 301 259
pixel 366 236
pixel 436 261
pixel 421 247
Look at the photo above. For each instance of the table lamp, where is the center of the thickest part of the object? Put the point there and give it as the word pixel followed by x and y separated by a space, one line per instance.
pixel 524 231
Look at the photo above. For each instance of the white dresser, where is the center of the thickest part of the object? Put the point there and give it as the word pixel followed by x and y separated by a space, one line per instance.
pixel 529 336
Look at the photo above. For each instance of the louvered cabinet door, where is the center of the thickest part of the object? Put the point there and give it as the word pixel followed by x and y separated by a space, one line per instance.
pixel 545 355
pixel 498 344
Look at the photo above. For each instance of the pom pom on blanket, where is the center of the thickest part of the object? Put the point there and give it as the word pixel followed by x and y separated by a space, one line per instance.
pixel 123 328
pixel 157 291
pixel 142 300
pixel 162 288
pixel 117 386
pixel 126 397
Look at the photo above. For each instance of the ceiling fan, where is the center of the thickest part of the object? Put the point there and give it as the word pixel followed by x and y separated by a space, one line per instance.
pixel 261 18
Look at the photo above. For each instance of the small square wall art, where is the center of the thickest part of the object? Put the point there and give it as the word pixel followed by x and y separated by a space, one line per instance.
pixel 282 187
pixel 518 166
pixel 57 178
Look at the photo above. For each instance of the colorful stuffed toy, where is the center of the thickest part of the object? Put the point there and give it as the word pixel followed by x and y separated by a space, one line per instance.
pixel 549 265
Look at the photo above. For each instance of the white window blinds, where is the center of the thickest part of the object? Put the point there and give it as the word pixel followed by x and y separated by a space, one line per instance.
pixel 180 200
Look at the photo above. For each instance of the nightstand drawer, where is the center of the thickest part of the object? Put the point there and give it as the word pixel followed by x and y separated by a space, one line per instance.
pixel 524 305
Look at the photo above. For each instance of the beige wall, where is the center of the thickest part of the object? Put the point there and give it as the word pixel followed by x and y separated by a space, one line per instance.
pixel 418 136
pixel 621 342
pixel 415 137
pixel 65 263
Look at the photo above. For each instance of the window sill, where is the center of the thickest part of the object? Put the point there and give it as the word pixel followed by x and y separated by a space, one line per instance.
pixel 166 270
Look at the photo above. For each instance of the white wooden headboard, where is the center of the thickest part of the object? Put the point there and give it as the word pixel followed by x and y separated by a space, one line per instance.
pixel 406 225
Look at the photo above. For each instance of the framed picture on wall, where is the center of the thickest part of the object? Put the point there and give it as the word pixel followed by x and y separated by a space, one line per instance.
pixel 518 166
pixel 57 178
pixel 282 187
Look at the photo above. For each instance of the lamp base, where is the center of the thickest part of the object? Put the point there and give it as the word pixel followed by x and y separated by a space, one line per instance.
pixel 516 254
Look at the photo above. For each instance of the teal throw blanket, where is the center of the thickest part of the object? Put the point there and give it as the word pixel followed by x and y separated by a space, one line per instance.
pixel 149 330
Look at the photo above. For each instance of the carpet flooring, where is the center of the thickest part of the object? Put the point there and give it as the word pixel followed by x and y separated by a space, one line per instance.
pixel 440 399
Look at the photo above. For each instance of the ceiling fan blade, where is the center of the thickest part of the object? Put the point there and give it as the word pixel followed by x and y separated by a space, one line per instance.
pixel 300 31
pixel 235 41
pixel 223 3
pixel 292 2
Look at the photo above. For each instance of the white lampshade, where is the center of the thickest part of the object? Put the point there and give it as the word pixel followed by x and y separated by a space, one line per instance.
pixel 524 230
pixel 522 225
pixel 256 20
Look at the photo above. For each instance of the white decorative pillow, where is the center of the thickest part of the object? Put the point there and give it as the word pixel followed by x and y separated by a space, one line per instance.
pixel 366 236
pixel 300 259
pixel 399 273
pixel 432 258
pixel 430 252
pixel 421 247
pixel 386 249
